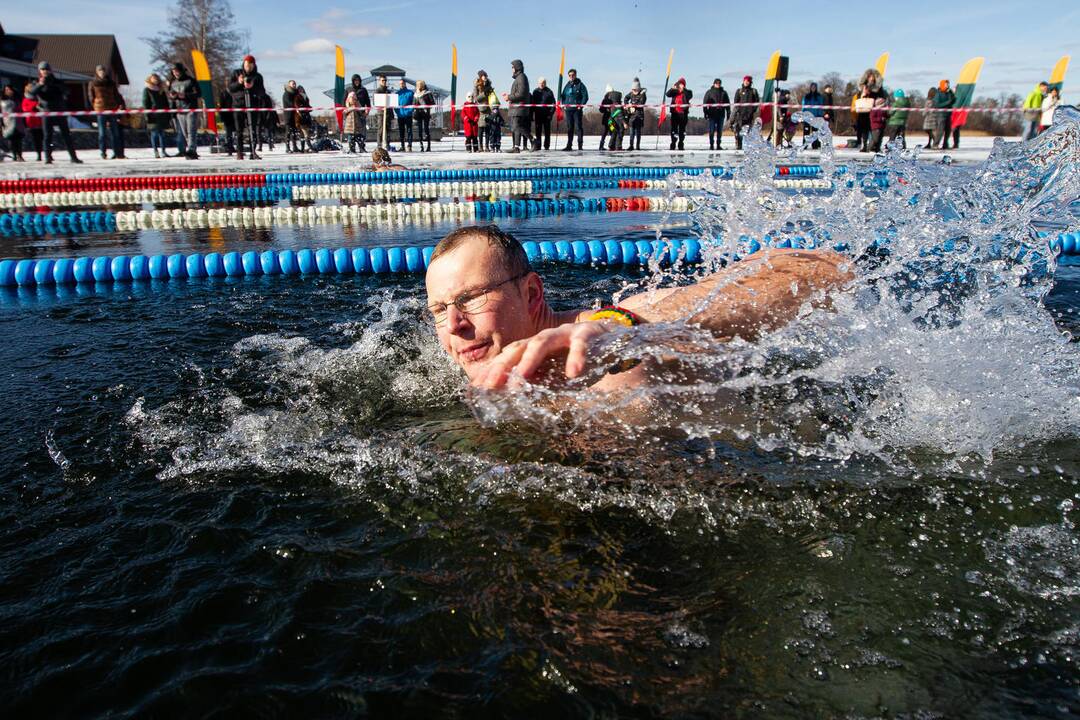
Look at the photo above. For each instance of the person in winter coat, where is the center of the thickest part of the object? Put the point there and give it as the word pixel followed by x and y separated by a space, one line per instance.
pixel 33 124
pixel 11 129
pixel 425 99
pixel 879 117
pixel 268 123
pixel 351 120
pixel 785 122
pixel 246 101
pixel 944 100
pixel 746 106
pixel 680 112
pixel 405 110
pixel 482 90
pixel 384 115
pixel 898 115
pixel 717 106
pixel 494 127
pixel 228 120
pixel 611 118
pixel 304 123
pixel 184 95
pixel 51 96
pixel 634 106
pixel 574 96
pixel 290 115
pixel 929 122
pixel 520 114
pixel 154 98
pixel 1049 105
pixel 1033 110
pixel 104 97
pixel 470 124
pixel 828 100
pixel 811 103
pixel 543 101
pixel 363 102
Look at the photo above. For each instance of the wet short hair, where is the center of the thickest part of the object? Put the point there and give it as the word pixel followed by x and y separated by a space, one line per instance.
pixel 510 253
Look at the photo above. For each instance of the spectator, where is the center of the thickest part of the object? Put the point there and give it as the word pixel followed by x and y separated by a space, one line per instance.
pixel 611 118
pixel 425 100
pixel 680 112
pixel 519 97
pixel 898 115
pixel 482 90
pixel 494 123
pixel 12 127
pixel 363 102
pixel 351 121
pixel 634 103
pixel 470 123
pixel 717 105
pixel 746 105
pixel 228 118
pixel 1049 105
pixel 575 96
pixel 812 102
pixel 929 123
pixel 381 88
pixel 864 103
pixel 944 100
pixel 828 100
pixel 303 117
pixel 543 101
pixel 52 97
pixel 785 120
pixel 405 111
pixel 1033 110
pixel 246 103
pixel 184 94
pixel 268 123
pixel 33 123
pixel 291 117
pixel 105 97
pixel 879 116
pixel 157 121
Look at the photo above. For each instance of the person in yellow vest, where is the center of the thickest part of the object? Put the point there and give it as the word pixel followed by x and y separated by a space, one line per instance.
pixel 1033 110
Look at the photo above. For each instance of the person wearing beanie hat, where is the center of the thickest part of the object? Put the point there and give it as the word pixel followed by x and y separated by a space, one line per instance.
pixel 634 105
pixel 247 90
pixel 543 101
pixel 680 112
pixel 944 100
pixel 746 106
pixel 105 96
pixel 898 116
pixel 611 117
pixel 520 113
pixel 717 106
pixel 51 96
pixel 184 94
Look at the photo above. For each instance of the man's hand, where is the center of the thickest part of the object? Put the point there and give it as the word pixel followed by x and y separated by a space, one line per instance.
pixel 527 356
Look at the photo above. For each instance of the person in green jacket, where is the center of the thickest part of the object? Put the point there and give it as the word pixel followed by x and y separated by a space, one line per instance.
pixel 897 123
pixel 1033 110
pixel 944 99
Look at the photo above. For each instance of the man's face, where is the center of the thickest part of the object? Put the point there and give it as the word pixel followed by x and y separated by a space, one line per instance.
pixel 746 83
pixel 292 85
pixel 473 340
pixel 402 84
pixel 543 83
pixel 716 85
pixel 1044 88
pixel 572 76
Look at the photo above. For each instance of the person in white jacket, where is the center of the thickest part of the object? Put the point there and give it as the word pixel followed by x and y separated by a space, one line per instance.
pixel 1049 103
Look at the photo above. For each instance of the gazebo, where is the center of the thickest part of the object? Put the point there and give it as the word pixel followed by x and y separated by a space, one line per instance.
pixel 393 75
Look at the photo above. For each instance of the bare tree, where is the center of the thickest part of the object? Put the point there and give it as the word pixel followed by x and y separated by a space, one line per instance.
pixel 204 25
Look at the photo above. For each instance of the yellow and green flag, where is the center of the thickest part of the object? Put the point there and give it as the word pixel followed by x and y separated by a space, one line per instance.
pixel 339 86
pixel 1057 77
pixel 965 90
pixel 558 96
pixel 202 76
pixel 667 81
pixel 768 92
pixel 453 86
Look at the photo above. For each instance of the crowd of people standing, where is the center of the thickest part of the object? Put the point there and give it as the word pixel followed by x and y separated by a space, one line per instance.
pixel 250 119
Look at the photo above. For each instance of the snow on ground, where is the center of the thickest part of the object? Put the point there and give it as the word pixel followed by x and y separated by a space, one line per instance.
pixel 449 153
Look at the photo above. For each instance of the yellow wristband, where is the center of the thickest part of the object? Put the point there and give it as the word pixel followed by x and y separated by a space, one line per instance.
pixel 616 314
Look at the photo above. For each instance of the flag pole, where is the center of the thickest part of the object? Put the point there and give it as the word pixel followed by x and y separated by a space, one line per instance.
pixel 660 120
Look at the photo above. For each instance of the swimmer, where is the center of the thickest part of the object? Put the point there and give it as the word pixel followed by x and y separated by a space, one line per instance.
pixel 491 316
pixel 381 162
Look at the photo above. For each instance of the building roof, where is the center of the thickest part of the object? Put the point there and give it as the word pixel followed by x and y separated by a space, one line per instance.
pixel 17 68
pixel 78 54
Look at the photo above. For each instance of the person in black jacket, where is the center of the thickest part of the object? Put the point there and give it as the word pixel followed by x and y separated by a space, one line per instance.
pixel 680 112
pixel 246 100
pixel 288 105
pixel 717 105
pixel 611 117
pixel 634 106
pixel 743 114
pixel 828 100
pixel 424 99
pixel 519 97
pixel 184 94
pixel 52 97
pixel 363 101
pixel 544 108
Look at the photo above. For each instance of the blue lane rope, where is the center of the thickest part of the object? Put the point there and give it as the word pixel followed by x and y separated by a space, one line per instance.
pixel 379 260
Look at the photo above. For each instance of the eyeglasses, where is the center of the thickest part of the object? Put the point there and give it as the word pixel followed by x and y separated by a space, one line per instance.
pixel 470 302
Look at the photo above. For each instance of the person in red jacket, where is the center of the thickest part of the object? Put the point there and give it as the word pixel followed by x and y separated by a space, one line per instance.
pixel 879 116
pixel 470 123
pixel 33 124
pixel 680 112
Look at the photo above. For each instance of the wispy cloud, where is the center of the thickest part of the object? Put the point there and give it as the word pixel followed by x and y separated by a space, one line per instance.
pixel 588 40
pixel 336 21
pixel 311 46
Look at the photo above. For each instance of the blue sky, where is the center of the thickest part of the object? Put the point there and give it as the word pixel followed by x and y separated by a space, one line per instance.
pixel 613 42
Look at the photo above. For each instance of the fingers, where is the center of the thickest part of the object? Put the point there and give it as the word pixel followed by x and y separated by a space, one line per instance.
pixel 540 348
